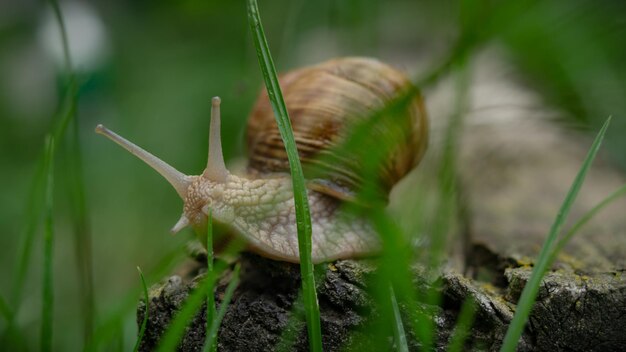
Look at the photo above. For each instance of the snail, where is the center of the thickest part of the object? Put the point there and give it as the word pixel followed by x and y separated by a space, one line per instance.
pixel 323 101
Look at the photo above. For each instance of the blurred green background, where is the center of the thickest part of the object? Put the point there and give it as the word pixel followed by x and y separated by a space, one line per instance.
pixel 147 69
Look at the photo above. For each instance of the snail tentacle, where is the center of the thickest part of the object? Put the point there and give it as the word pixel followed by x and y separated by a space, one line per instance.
pixel 215 168
pixel 177 179
pixel 180 224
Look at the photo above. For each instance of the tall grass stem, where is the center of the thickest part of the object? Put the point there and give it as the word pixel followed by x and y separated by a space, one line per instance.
pixel 82 232
pixel 144 322
pixel 176 329
pixel 398 328
pixel 586 218
pixel 107 329
pixel 192 304
pixel 542 262
pixel 211 337
pixel 210 343
pixel 5 311
pixel 303 216
pixel 47 304
pixel 463 325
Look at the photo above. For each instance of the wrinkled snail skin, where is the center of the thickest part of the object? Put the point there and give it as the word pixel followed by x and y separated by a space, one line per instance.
pixel 263 212
pixel 260 206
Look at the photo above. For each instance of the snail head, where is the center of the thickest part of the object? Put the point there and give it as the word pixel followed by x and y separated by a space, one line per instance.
pixel 201 194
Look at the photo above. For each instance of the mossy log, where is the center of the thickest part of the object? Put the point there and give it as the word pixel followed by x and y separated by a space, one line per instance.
pixel 574 312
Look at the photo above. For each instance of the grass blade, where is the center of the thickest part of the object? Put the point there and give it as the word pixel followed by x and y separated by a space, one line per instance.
pixel 394 269
pixel 215 323
pixel 31 221
pixel 531 288
pixel 192 304
pixel 294 325
pixel 107 329
pixel 118 340
pixel 210 344
pixel 82 233
pixel 303 216
pixel 585 219
pixel 398 327
pixel 64 42
pixel 5 311
pixel 34 206
pixel 463 325
pixel 48 280
pixel 144 322
pixel 170 340
pixel 447 173
pixel 66 115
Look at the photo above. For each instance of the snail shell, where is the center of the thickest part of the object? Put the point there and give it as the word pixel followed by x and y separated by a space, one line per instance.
pixel 324 102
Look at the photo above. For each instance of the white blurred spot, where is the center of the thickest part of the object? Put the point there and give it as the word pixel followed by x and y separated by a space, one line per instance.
pixel 86 34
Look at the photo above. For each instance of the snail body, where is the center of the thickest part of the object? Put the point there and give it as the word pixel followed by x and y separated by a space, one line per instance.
pixel 323 101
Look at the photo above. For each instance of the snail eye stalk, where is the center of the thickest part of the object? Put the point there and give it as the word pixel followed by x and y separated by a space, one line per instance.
pixel 215 168
pixel 177 179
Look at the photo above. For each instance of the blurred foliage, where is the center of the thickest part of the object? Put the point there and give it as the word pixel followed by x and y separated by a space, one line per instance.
pixel 162 61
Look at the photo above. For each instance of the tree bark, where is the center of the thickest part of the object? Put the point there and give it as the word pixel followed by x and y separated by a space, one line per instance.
pixel 574 312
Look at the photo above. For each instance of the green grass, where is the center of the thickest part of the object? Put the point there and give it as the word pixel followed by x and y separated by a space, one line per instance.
pixel 32 213
pixel 295 323
pixel 393 268
pixel 144 322
pixel 36 203
pixel 398 328
pixel 81 231
pixel 76 187
pixel 397 250
pixel 108 327
pixel 463 325
pixel 5 310
pixel 35 209
pixel 585 219
pixel 211 338
pixel 47 304
pixel 210 344
pixel 31 220
pixel 529 294
pixel 190 308
pixel 303 216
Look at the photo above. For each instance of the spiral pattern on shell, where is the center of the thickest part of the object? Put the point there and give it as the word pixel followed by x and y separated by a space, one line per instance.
pixel 324 101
